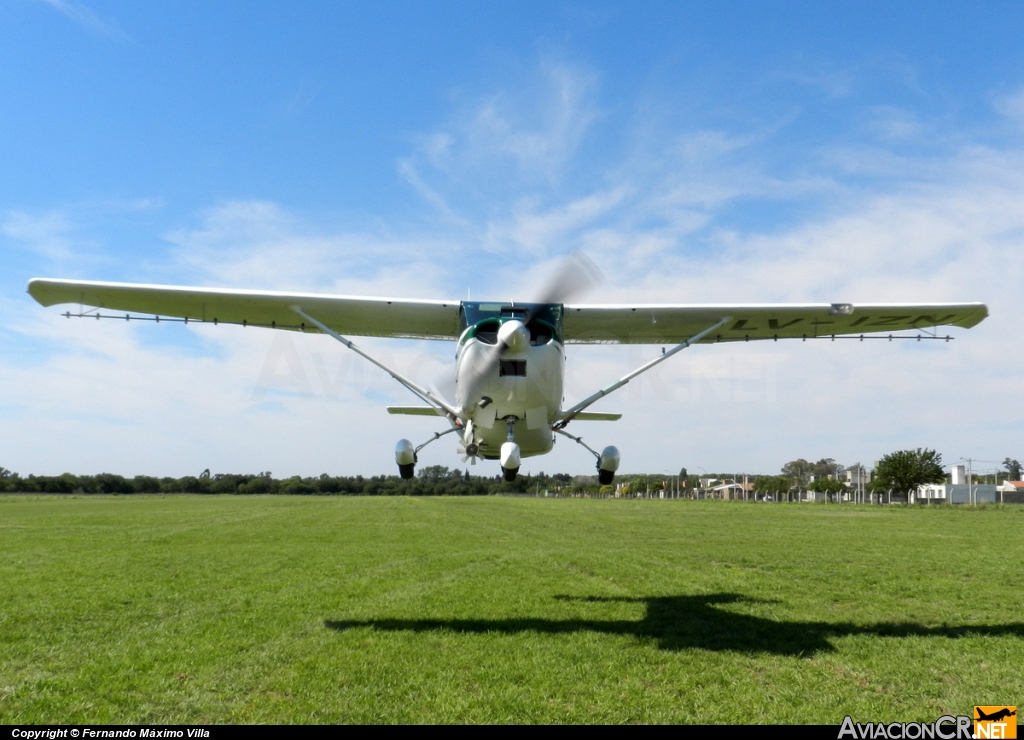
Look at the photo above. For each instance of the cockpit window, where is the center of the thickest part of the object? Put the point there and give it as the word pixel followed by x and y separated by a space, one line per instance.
pixel 487 331
pixel 540 332
pixel 513 312
pixel 545 319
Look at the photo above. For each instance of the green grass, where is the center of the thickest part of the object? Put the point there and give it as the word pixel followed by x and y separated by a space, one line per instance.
pixel 344 609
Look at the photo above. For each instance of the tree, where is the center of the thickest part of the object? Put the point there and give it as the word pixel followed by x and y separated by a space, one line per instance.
pixel 637 484
pixel 799 470
pixel 828 467
pixel 437 473
pixel 682 474
pixel 903 471
pixel 828 486
pixel 771 484
pixel 1013 468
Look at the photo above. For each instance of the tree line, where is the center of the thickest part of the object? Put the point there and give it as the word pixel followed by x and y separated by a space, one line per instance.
pixel 435 480
pixel 898 472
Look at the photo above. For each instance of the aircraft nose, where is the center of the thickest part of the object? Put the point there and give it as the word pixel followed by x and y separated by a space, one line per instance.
pixel 514 335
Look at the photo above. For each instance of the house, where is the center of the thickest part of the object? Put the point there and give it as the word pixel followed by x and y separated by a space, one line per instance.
pixel 865 476
pixel 1012 492
pixel 734 491
pixel 960 493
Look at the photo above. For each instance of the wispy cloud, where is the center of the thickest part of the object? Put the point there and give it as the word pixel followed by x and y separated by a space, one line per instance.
pixel 1011 106
pixel 305 93
pixel 504 144
pixel 61 235
pixel 46 234
pixel 259 244
pixel 537 129
pixel 87 18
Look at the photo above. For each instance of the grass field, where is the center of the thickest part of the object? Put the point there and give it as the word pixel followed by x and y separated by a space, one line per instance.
pixel 345 609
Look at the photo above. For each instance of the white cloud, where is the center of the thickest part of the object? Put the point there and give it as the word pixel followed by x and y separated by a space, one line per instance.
pixel 61 235
pixel 894 124
pixel 258 244
pixel 48 234
pixel 537 231
pixel 1011 106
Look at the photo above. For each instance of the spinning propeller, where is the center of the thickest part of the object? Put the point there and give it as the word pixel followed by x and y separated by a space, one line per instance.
pixel 576 275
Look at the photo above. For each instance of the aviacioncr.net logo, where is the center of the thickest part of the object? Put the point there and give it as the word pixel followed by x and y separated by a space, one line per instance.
pixel 946 727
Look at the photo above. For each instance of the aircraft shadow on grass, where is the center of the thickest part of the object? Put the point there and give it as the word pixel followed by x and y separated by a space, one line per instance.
pixel 685 622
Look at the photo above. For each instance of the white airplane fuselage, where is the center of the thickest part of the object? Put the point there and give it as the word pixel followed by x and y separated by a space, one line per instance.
pixel 509 376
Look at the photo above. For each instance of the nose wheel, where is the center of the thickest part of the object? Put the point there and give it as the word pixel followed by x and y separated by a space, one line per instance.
pixel 510 456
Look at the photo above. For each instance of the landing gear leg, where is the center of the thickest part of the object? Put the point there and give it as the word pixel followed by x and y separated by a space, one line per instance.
pixel 607 460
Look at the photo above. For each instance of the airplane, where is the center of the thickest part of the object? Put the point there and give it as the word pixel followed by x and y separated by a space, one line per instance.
pixel 1003 713
pixel 510 356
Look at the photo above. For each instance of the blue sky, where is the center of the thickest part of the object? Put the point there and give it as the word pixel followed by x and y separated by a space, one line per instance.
pixel 697 151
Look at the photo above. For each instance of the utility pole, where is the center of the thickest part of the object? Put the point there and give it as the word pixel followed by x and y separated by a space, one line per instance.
pixel 970 487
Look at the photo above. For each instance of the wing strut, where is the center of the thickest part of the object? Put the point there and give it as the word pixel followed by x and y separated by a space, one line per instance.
pixel 578 441
pixel 569 415
pixel 448 410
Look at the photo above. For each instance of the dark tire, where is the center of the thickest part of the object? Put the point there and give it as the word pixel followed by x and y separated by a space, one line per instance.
pixel 407 471
pixel 510 475
pixel 605 477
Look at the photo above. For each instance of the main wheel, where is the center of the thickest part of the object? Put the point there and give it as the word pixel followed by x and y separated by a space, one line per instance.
pixel 605 477
pixel 510 475
pixel 407 471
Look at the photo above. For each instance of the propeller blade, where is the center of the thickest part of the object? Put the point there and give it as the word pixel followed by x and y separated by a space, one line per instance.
pixel 443 384
pixel 488 363
pixel 576 275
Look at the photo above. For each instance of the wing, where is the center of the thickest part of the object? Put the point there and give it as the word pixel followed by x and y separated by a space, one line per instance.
pixel 667 324
pixel 376 317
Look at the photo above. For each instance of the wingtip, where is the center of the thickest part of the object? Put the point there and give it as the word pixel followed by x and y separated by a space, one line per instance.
pixel 975 317
pixel 35 288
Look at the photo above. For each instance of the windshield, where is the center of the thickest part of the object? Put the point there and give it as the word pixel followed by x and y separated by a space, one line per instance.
pixel 472 313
